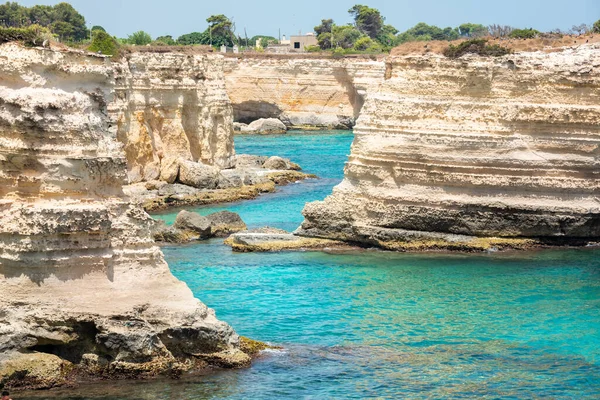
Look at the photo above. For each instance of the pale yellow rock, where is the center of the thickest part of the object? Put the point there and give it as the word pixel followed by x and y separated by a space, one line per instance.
pixel 77 260
pixel 488 147
pixel 170 106
pixel 301 91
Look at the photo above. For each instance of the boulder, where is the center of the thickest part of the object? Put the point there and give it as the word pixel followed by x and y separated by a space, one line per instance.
pixel 163 233
pixel 225 222
pixel 189 221
pixel 169 169
pixel 266 125
pixel 275 163
pixel 176 189
pixel 239 126
pixel 152 171
pixel 248 160
pixel 199 175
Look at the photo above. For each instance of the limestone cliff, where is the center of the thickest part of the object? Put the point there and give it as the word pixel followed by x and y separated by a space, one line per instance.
pixel 487 147
pixel 81 281
pixel 172 106
pixel 301 91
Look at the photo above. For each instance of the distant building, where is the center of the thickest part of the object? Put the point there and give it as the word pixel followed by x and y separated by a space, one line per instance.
pixel 295 44
pixel 300 43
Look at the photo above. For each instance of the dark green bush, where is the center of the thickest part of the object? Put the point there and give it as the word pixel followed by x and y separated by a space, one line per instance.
pixel 524 33
pixel 32 35
pixel 104 43
pixel 476 46
pixel 596 27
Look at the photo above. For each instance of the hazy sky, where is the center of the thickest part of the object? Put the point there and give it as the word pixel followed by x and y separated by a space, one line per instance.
pixel 266 17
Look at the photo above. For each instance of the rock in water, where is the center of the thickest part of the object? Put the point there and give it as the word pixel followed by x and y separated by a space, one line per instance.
pixel 265 125
pixel 275 163
pixel 80 276
pixel 199 175
pixel 225 222
pixel 474 147
pixel 190 221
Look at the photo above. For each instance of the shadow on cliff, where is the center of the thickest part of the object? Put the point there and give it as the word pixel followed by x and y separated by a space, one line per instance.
pixel 252 110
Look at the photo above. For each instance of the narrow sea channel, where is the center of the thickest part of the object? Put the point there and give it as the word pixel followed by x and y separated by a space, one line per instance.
pixel 374 324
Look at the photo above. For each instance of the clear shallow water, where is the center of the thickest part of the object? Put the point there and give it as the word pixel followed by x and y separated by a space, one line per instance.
pixel 373 324
pixel 322 153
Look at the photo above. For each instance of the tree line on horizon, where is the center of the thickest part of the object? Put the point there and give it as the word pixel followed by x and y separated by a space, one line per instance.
pixel 367 33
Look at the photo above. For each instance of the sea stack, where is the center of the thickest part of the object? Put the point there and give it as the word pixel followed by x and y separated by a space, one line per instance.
pixel 450 151
pixel 83 287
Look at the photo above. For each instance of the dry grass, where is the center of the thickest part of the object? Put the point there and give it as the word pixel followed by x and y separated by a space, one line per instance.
pixel 548 44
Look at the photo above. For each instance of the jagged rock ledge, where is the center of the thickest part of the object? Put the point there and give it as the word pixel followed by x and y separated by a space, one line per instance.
pixel 473 153
pixel 198 184
pixel 84 290
pixel 272 239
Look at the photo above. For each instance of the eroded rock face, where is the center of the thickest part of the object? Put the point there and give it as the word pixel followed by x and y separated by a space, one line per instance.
pixel 505 147
pixel 172 106
pixel 301 92
pixel 80 276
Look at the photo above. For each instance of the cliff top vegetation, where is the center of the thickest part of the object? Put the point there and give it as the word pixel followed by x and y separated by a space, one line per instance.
pixel 368 34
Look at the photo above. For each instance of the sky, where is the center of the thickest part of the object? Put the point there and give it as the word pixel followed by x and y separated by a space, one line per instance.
pixel 267 17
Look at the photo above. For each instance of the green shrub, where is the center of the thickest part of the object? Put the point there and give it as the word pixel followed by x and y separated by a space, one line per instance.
pixel 596 27
pixel 104 43
pixel 476 46
pixel 363 43
pixel 313 49
pixel 33 35
pixel 524 33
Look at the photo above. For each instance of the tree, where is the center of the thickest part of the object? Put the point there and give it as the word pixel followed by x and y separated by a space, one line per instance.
pixel 220 31
pixel 596 27
pixel 139 38
pixel 363 43
pixel 325 27
pixel 193 38
pixel 581 29
pixel 42 15
pixel 325 40
pixel 387 36
pixel 69 24
pixel 500 30
pixel 104 43
pixel 98 28
pixel 524 33
pixel 345 36
pixel 367 20
pixel 62 19
pixel 167 40
pixel 424 32
pixel 473 30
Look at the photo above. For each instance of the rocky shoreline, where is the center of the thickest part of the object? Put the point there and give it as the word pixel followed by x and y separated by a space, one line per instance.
pixel 198 184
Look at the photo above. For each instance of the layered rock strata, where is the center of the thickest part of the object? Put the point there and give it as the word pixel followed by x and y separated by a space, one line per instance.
pixel 448 150
pixel 83 287
pixel 171 107
pixel 303 92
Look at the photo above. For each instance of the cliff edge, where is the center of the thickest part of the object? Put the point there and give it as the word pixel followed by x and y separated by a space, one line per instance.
pixel 450 151
pixel 83 287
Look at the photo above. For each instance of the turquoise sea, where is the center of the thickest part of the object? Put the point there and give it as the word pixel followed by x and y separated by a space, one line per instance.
pixel 373 324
